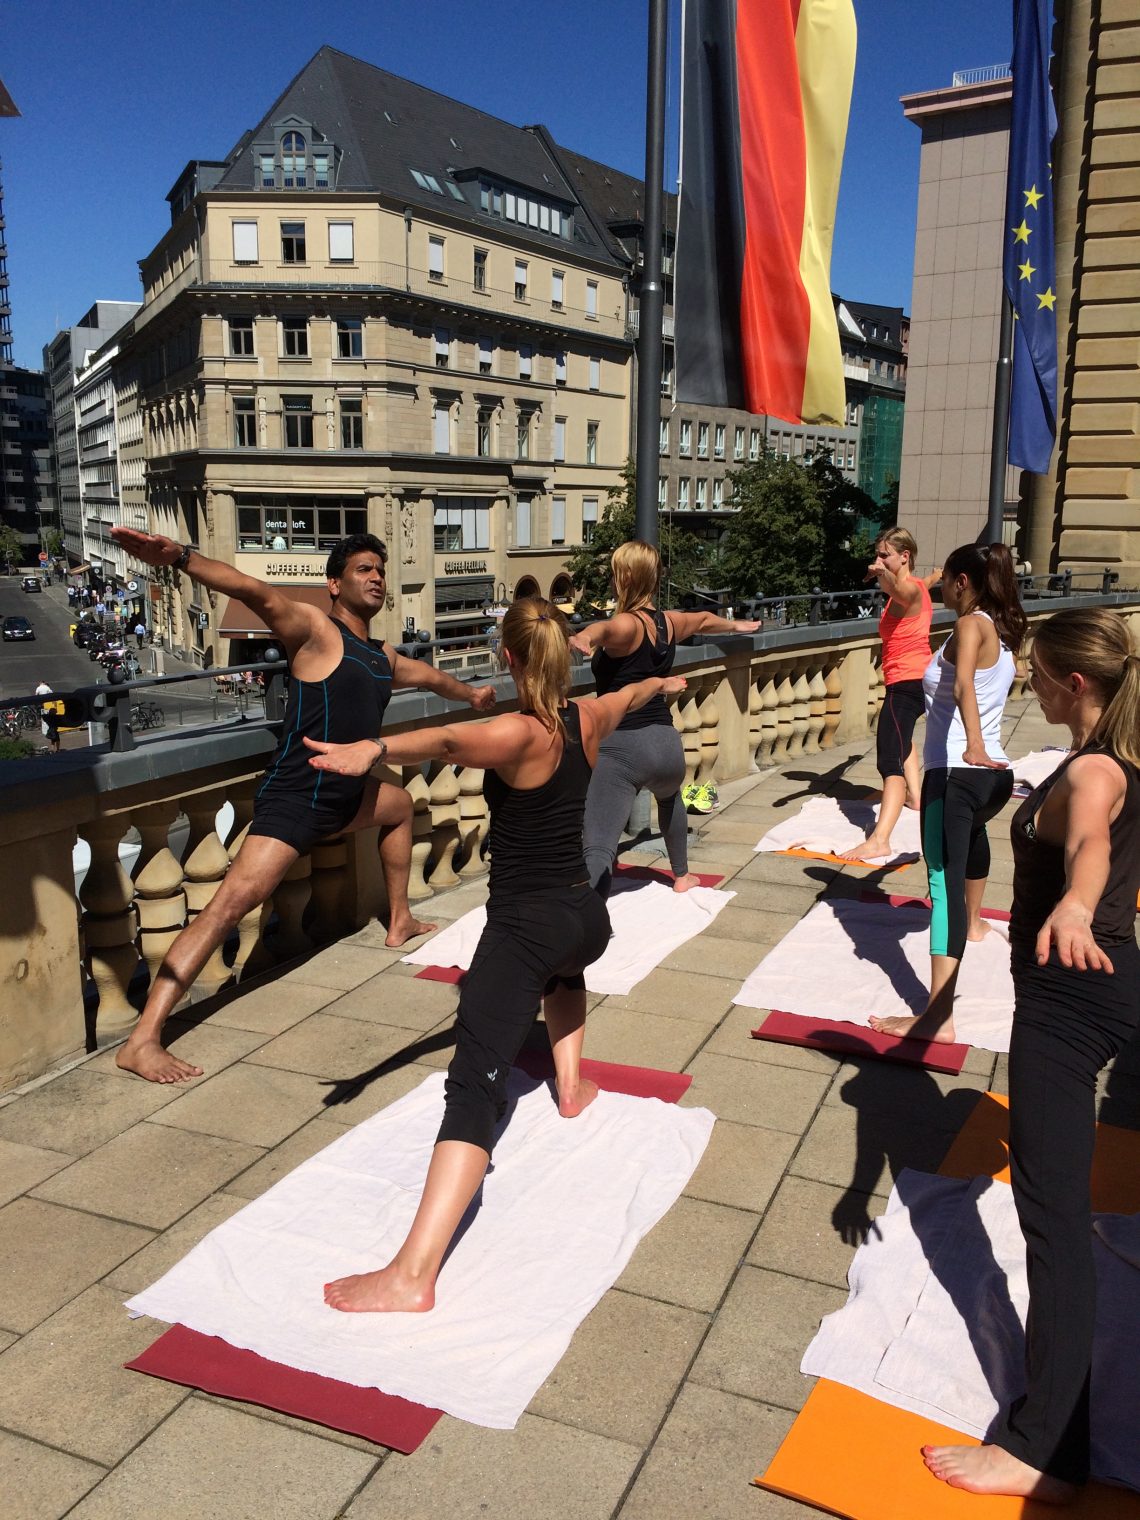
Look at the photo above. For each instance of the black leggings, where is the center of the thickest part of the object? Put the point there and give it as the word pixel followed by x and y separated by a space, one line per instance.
pixel 956 806
pixel 530 946
pixel 1067 1025
pixel 903 705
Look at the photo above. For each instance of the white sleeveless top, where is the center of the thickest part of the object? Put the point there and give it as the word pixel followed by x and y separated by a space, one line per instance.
pixel 945 732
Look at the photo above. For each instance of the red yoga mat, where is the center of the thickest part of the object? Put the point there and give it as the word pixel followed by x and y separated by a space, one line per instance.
pixel 649 873
pixel 853 1040
pixel 203 1361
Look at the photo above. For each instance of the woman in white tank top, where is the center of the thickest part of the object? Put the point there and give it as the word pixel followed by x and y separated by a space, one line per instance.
pixel 967 779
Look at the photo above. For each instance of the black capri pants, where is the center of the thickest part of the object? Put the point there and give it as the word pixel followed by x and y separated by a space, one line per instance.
pixel 1067 1025
pixel 956 806
pixel 530 946
pixel 903 705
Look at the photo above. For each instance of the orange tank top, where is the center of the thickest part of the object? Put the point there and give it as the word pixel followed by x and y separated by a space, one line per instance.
pixel 906 641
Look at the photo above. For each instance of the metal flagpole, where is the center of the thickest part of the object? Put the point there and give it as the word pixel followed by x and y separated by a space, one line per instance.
pixel 999 443
pixel 652 300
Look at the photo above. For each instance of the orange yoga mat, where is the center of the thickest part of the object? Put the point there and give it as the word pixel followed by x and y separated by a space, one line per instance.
pixel 852 1455
pixel 864 865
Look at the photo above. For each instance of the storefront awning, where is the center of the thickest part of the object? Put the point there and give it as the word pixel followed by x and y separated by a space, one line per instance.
pixel 79 569
pixel 241 622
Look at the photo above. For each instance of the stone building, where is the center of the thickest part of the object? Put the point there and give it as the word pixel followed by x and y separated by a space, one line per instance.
pixel 383 310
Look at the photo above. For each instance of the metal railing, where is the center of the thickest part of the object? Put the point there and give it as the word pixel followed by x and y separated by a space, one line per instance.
pixel 987 75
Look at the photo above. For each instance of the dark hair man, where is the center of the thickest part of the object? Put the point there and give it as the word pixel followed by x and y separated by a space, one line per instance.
pixel 340 684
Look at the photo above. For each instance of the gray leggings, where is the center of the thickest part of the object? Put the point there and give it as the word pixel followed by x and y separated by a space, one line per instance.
pixel 651 757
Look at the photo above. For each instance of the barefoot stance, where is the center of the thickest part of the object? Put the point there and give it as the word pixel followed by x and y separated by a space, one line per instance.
pixel 978 932
pixel 401 930
pixel 686 883
pixel 871 849
pixel 992 1470
pixel 149 1060
pixel 571 1105
pixel 916 1028
pixel 387 1291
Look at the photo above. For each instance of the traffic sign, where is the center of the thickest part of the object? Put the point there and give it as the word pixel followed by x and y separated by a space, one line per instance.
pixel 43 558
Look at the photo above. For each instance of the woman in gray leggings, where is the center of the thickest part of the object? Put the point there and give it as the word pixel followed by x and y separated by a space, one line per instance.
pixel 645 751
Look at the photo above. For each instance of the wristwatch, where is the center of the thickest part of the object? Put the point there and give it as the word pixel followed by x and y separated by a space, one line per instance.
pixel 184 558
pixel 381 745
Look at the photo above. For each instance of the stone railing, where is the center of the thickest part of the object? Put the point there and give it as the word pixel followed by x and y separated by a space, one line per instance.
pixel 75 966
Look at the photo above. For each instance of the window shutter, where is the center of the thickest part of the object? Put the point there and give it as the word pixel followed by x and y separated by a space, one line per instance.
pixel 589 509
pixel 245 242
pixel 340 240
pixel 435 255
pixel 522 524
pixel 558 519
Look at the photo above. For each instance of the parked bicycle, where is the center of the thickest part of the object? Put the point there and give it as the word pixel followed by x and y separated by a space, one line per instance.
pixel 147 715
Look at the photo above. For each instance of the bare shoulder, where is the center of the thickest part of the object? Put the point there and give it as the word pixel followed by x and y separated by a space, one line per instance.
pixel 1095 772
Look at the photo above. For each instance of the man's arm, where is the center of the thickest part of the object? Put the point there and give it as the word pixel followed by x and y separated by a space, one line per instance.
pixel 418 673
pixel 294 623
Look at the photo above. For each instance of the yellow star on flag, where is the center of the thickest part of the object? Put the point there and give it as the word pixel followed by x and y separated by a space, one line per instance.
pixel 1021 234
pixel 1046 298
pixel 1032 196
pixel 1027 270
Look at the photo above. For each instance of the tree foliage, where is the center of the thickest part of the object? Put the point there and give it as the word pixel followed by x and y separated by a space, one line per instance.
pixel 11 546
pixel 53 543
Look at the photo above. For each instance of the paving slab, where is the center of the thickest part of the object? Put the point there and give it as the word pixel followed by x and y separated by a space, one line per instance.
pixel 351 1107
pixel 336 1049
pixel 209 1462
pixel 702 1464
pixel 541 1468
pixel 623 1367
pixel 80 1110
pixel 742 1166
pixel 690 1256
pixel 729 958
pixel 398 1000
pixel 812 1229
pixel 64 1383
pixel 166 1250
pixel 634 1038
pixel 748 1092
pixel 701 998
pixel 271 1007
pixel 260 1105
pixel 755 1346
pixel 50 1254
pixel 23 1166
pixel 201 1042
pixel 865 1152
pixel 341 966
pixel 915 1094
pixel 284 1158
pixel 733 1037
pixel 151 1175
pixel 38 1483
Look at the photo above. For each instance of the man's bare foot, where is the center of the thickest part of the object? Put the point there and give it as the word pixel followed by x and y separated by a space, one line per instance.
pixel 388 1291
pixel 872 848
pixel 921 1027
pixel 404 928
pixel 147 1059
pixel 978 931
pixel 992 1470
pixel 570 1105
pixel 686 883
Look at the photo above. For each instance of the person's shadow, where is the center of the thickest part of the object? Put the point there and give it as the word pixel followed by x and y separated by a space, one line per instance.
pixel 832 783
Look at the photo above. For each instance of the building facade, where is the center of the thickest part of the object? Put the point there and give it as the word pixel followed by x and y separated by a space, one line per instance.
pixel 397 319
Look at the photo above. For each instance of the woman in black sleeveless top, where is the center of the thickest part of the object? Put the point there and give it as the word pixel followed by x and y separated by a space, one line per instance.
pixel 545 924
pixel 646 751
pixel 1076 975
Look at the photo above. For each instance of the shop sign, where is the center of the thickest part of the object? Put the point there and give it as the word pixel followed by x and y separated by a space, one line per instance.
pixel 464 567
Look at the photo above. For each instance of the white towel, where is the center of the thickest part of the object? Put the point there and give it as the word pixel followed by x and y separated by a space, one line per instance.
pixel 854 960
pixel 562 1209
pixel 1032 769
pixel 829 827
pixel 935 1318
pixel 649 921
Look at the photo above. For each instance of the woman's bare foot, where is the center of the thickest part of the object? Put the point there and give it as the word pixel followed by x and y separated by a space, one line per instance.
pixel 992 1470
pixel 872 848
pixel 404 928
pixel 571 1104
pixel 686 883
pixel 914 804
pixel 388 1291
pixel 148 1059
pixel 978 931
pixel 921 1027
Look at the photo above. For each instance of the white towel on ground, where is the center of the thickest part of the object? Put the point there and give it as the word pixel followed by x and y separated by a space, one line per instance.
pixel 1032 769
pixel 649 922
pixel 829 827
pixel 935 1318
pixel 854 960
pixel 562 1209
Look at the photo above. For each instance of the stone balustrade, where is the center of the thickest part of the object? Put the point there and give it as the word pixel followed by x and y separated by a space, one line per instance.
pixel 76 966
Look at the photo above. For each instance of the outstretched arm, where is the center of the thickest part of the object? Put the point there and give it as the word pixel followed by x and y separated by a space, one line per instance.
pixel 483 745
pixel 601 715
pixel 1093 787
pixel 685 624
pixel 292 622
pixel 425 677
pixel 617 635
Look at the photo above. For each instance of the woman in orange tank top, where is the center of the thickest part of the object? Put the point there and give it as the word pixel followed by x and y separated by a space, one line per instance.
pixel 904 628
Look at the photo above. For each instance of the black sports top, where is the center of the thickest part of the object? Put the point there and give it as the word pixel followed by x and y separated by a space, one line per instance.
pixel 1039 868
pixel 536 833
pixel 652 657
pixel 346 706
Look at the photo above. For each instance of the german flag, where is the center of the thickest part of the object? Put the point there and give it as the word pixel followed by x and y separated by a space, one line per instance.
pixel 766 96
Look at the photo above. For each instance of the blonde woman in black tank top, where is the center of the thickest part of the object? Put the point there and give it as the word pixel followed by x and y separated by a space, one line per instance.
pixel 544 923
pixel 1076 977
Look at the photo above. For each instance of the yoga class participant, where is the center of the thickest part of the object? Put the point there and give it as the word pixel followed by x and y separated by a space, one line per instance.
pixel 904 627
pixel 646 751
pixel 340 683
pixel 545 924
pixel 1076 978
pixel 967 778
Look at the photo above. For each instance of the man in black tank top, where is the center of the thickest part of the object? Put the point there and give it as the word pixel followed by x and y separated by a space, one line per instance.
pixel 340 684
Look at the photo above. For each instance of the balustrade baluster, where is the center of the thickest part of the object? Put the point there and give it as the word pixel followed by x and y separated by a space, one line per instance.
pixel 709 731
pixel 443 801
pixel 785 700
pixel 769 708
pixel 817 708
pixel 417 787
pixel 160 902
pixel 204 864
pixel 473 822
pixel 109 925
pixel 833 706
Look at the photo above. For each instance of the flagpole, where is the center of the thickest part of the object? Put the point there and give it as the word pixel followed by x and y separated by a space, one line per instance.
pixel 652 298
pixel 999 442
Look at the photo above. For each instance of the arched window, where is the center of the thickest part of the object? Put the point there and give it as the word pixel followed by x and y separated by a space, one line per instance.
pixel 293 163
pixel 562 589
pixel 528 586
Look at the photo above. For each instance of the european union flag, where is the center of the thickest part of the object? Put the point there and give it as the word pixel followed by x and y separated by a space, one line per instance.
pixel 1029 268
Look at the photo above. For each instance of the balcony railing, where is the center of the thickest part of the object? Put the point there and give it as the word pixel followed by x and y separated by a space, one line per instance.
pixel 633 324
pixel 987 75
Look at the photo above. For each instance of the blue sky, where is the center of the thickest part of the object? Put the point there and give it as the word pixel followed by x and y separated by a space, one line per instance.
pixel 117 97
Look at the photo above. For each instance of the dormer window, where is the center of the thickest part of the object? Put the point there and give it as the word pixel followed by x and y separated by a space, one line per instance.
pixel 296 157
pixel 294 165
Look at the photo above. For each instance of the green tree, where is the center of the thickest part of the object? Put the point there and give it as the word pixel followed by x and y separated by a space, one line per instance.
pixel 53 543
pixel 11 547
pixel 775 539
pixel 851 522
pixel 589 564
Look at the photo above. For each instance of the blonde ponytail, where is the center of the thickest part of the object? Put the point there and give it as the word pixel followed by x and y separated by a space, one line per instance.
pixel 1095 642
pixel 537 636
pixel 636 569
